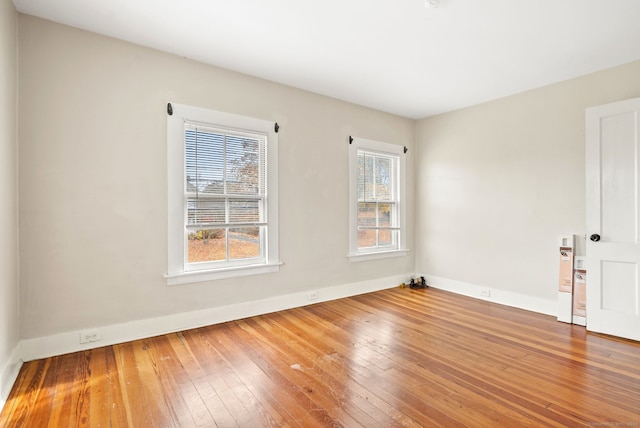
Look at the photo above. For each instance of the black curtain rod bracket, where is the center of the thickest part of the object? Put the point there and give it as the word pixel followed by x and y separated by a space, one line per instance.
pixel 169 109
pixel 405 149
pixel 276 127
pixel 350 139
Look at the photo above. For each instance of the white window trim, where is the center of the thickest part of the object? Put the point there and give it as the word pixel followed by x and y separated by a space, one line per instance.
pixel 176 273
pixel 354 254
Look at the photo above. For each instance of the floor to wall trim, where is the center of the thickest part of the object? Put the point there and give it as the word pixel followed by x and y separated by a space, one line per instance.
pixel 502 297
pixel 9 374
pixel 63 343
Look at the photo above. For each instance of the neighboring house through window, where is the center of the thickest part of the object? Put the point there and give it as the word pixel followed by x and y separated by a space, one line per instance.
pixel 222 172
pixel 376 200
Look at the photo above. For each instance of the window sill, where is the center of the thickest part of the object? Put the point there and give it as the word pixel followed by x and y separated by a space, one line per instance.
pixel 210 275
pixel 363 257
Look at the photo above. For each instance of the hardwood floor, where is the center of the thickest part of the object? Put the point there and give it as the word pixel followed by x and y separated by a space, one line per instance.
pixel 398 357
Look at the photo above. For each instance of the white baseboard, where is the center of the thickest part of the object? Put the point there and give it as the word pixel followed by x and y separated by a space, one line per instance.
pixel 63 343
pixel 508 298
pixel 9 374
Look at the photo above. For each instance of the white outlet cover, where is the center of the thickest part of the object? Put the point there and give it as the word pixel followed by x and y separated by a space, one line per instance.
pixel 92 335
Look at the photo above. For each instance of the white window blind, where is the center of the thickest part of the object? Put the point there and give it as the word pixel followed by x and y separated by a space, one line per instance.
pixel 225 189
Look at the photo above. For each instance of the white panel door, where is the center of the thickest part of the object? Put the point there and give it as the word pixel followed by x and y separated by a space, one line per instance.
pixel 613 247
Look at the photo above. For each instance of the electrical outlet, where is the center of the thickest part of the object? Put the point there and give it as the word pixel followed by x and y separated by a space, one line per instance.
pixel 313 295
pixel 91 335
pixel 485 292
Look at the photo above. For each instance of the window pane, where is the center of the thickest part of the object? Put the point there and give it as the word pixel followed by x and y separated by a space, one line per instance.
pixel 384 215
pixel 207 245
pixel 210 162
pixel 201 211
pixel 385 237
pixel 204 161
pixel 365 177
pixel 366 213
pixel 244 243
pixel 220 163
pixel 243 165
pixel 383 179
pixel 360 180
pixel 244 211
pixel 211 187
pixel 366 238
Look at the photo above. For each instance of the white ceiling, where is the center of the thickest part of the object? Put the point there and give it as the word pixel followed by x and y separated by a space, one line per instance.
pixel 392 55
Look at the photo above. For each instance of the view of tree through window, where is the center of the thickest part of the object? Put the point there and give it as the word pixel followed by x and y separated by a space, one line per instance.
pixel 225 190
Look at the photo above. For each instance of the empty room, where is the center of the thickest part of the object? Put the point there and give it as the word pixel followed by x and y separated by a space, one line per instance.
pixel 342 213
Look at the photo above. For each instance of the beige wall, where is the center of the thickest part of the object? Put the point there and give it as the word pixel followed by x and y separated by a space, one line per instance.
pixel 495 185
pixel 9 315
pixel 93 180
pixel 498 183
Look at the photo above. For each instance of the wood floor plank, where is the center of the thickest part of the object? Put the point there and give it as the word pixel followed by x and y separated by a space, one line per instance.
pixel 64 383
pixel 80 391
pixel 135 376
pixel 99 400
pixel 361 361
pixel 192 373
pixel 219 375
pixel 393 358
pixel 294 405
pixel 45 396
pixel 117 404
pixel 323 373
pixel 332 361
pixel 327 393
pixel 171 381
pixel 151 385
pixel 31 388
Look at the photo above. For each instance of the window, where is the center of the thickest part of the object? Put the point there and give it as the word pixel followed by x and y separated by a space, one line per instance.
pixel 376 200
pixel 222 195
